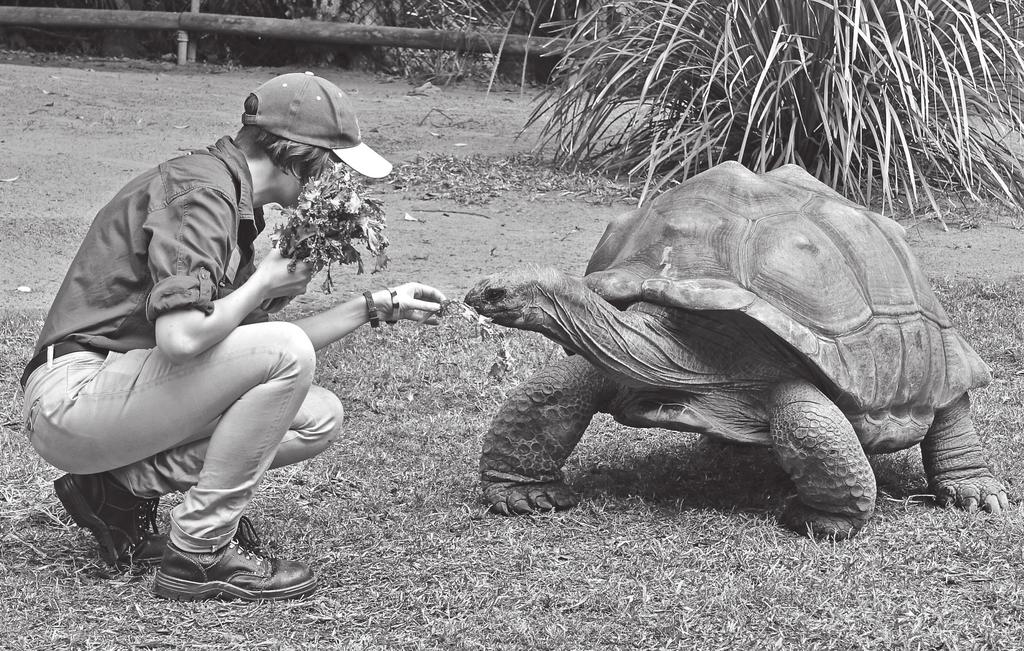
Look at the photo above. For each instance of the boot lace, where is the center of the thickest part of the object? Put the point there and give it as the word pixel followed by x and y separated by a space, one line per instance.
pixel 145 525
pixel 145 517
pixel 247 541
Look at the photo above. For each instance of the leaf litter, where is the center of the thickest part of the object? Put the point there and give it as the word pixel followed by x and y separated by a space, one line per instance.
pixel 477 179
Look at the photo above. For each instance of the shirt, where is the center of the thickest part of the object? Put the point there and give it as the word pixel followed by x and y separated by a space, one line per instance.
pixel 176 237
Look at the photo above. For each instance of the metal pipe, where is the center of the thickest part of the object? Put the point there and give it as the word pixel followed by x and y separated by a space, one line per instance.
pixel 182 48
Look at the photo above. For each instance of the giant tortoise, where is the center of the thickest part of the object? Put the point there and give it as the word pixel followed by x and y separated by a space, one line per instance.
pixel 752 308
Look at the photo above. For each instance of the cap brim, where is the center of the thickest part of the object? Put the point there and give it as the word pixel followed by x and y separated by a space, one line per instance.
pixel 364 160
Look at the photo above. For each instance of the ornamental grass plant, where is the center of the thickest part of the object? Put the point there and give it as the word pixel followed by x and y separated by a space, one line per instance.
pixel 897 102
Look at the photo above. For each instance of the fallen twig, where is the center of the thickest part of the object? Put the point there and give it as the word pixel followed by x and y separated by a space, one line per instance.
pixel 458 212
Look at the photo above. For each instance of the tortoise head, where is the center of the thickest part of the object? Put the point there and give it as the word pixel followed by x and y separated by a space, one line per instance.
pixel 527 298
pixel 564 309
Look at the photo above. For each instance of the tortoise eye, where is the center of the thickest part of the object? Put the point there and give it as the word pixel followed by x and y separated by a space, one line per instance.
pixel 494 295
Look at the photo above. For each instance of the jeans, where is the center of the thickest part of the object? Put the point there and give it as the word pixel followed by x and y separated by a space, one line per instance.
pixel 210 427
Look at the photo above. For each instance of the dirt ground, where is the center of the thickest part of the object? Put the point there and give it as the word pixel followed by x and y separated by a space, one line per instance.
pixel 73 131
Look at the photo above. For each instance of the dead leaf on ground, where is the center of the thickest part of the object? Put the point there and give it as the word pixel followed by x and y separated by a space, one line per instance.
pixel 425 90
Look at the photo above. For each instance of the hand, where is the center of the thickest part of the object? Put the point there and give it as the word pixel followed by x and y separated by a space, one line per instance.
pixel 277 280
pixel 416 302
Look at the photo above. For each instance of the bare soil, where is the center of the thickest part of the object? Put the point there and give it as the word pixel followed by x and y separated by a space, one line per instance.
pixel 75 130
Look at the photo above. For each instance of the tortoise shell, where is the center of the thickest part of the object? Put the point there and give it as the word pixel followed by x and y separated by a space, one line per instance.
pixel 832 278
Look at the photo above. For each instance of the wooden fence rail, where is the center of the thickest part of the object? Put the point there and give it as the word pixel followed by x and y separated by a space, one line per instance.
pixel 310 31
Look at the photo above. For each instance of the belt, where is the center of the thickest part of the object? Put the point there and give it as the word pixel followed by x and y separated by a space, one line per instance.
pixel 59 349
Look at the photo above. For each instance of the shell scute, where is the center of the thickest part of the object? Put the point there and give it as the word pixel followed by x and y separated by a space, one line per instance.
pixel 835 280
pixel 794 265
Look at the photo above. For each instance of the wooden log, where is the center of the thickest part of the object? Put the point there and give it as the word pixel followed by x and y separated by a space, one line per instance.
pixel 310 31
pixel 88 18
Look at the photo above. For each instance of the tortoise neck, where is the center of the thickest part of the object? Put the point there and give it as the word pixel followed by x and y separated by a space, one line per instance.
pixel 662 347
pixel 630 345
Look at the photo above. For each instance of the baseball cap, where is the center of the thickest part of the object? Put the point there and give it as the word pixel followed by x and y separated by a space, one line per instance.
pixel 311 110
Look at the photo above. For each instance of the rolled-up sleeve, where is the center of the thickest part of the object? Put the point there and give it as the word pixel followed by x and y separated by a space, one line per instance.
pixel 189 246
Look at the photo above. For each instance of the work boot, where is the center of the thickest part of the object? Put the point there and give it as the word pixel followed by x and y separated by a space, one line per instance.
pixel 124 525
pixel 237 570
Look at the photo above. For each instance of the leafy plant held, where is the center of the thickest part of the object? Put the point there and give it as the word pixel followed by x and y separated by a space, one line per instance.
pixel 330 214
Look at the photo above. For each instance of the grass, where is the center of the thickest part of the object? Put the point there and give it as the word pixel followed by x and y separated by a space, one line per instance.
pixel 675 544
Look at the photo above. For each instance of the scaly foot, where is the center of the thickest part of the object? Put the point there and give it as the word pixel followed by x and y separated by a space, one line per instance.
pixel 970 494
pixel 510 498
pixel 819 524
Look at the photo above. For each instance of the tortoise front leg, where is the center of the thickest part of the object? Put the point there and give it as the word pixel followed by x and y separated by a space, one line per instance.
pixel 533 434
pixel 955 464
pixel 818 447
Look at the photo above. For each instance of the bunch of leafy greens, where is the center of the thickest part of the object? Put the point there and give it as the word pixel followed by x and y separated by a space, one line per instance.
pixel 329 216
